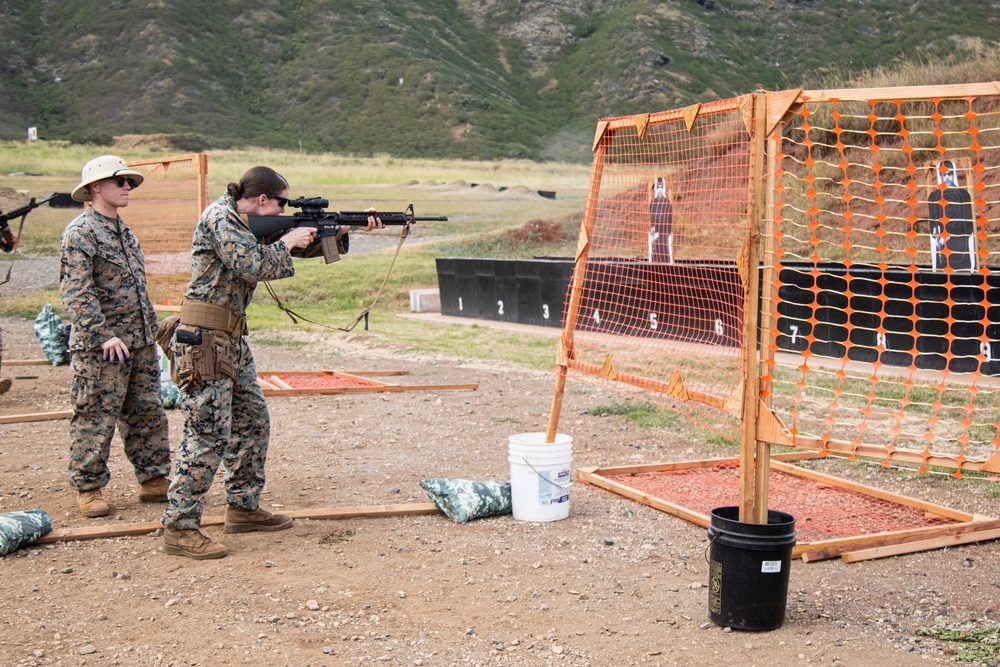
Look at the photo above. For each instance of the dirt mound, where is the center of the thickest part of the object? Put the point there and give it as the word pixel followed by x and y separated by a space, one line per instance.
pixel 409 183
pixel 538 232
pixel 520 191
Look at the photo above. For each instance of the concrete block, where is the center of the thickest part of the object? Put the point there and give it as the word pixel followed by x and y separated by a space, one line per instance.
pixel 425 300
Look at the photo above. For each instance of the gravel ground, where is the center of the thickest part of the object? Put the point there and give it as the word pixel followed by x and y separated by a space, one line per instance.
pixel 28 274
pixel 615 583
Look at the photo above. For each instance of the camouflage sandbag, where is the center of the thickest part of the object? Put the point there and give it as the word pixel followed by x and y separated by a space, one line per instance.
pixel 463 500
pixel 170 395
pixel 18 529
pixel 53 335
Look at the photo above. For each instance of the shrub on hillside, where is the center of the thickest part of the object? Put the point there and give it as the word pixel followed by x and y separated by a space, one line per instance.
pixel 92 139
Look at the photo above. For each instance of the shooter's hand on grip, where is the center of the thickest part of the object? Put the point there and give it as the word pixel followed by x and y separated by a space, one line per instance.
pixel 299 237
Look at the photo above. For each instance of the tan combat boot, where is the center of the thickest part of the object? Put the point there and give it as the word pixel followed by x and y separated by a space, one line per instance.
pixel 154 490
pixel 91 503
pixel 246 521
pixel 191 543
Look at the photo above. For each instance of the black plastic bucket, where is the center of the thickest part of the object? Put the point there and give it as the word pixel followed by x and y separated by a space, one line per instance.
pixel 749 565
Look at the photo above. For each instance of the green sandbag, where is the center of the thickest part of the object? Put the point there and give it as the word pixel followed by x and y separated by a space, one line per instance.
pixel 463 500
pixel 170 395
pixel 53 335
pixel 18 529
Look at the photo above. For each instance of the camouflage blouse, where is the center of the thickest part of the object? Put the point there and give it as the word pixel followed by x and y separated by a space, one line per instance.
pixel 227 260
pixel 102 282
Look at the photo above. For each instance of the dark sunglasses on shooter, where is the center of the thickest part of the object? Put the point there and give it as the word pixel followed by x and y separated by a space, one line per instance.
pixel 120 181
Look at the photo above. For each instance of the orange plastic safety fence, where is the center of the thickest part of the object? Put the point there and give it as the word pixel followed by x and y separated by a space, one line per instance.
pixel 656 303
pixel 884 312
pixel 163 212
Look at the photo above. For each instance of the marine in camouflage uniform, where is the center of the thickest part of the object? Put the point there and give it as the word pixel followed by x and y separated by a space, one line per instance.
pixel 102 283
pixel 225 419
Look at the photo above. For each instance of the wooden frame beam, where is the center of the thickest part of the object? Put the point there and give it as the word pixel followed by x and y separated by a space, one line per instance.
pixel 317 514
pixel 272 384
pixel 36 417
pixel 970 527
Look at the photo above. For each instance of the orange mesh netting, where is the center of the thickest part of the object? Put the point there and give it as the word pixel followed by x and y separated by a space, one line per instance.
pixel 883 307
pixel 879 308
pixel 822 511
pixel 163 212
pixel 656 307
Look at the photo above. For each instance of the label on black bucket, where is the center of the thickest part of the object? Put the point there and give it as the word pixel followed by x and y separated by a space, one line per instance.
pixel 770 566
pixel 553 491
pixel 715 587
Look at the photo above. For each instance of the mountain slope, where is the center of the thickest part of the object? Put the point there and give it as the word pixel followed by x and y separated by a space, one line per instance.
pixel 456 78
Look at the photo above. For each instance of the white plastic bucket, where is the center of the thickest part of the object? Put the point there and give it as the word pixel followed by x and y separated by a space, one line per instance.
pixel 540 476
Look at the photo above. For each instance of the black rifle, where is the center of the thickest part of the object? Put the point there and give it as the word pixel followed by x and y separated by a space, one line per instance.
pixel 331 239
pixel 5 218
pixel 5 232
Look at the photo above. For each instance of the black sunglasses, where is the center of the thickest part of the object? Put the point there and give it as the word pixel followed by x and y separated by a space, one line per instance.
pixel 281 200
pixel 120 181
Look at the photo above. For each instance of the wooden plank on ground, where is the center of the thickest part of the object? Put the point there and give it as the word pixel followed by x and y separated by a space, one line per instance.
pixel 889 539
pixel 36 417
pixel 906 501
pixel 110 530
pixel 373 373
pixel 332 372
pixel 319 513
pixel 644 498
pixel 385 389
pixel 272 384
pixel 923 545
pixel 27 362
pixel 278 382
pixel 265 385
pixel 365 511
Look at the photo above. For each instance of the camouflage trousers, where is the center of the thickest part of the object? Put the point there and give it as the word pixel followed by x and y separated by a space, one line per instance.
pixel 127 394
pixel 226 422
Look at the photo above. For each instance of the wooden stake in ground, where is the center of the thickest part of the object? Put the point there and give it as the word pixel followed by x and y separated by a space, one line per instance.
pixel 754 455
pixel 579 272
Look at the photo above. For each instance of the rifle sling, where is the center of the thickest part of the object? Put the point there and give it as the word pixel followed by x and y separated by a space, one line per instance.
pixel 20 229
pixel 363 315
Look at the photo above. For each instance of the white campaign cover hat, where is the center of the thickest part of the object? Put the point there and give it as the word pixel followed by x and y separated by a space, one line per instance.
pixel 100 168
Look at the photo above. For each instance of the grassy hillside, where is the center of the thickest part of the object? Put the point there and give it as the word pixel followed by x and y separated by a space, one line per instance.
pixel 446 78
